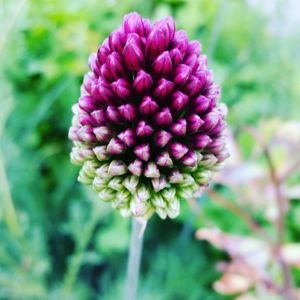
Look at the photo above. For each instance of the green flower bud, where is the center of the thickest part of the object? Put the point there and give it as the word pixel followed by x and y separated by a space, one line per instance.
pixel 142 193
pixel 173 209
pixel 116 168
pixel 159 183
pixel 107 194
pixel 202 177
pixel 101 153
pixel 116 183
pixel 102 171
pixel 125 212
pixel 169 194
pixel 152 170
pixel 161 212
pixel 131 183
pixel 208 161
pixel 158 201
pixel 99 183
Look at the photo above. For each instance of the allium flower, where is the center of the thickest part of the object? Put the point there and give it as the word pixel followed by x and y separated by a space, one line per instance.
pixel 147 129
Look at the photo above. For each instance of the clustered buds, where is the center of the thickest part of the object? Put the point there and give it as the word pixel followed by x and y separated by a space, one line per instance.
pixel 148 129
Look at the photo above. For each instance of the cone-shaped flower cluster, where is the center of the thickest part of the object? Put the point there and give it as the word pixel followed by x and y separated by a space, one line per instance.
pixel 147 128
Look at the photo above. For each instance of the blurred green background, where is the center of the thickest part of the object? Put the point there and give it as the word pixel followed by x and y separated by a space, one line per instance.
pixel 57 240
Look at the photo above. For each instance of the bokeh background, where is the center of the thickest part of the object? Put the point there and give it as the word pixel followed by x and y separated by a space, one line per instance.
pixel 57 241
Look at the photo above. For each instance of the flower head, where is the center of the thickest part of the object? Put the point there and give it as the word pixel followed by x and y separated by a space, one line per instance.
pixel 148 128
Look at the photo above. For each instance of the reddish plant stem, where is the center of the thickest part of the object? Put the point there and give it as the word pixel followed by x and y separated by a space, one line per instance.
pixel 282 204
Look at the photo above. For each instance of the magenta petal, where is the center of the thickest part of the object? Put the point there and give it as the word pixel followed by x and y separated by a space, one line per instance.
pixel 127 137
pixel 180 42
pixel 176 56
pixel 179 127
pixel 164 159
pixel 162 138
pixel 162 66
pixel 178 150
pixel 200 141
pixel 193 86
pixel 156 43
pixel 105 91
pixel 143 129
pixel 86 134
pixel 102 133
pixel 142 82
pixel 94 64
pixel 167 27
pixel 133 53
pixel 87 103
pixel 116 67
pixel 98 117
pixel 190 159
pixel 136 167
pixel 133 23
pixel 194 122
pixel 163 117
pixel 128 112
pixel 178 101
pixel 116 41
pixel 88 80
pixel 122 89
pixel 148 106
pixel 210 121
pixel 194 47
pixel 142 152
pixel 181 74
pixel 199 104
pixel 163 89
pixel 102 54
pixel 113 114
pixel 115 146
pixel 106 73
pixel 192 62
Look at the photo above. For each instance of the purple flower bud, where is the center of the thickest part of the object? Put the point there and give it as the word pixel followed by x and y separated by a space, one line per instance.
pixel 180 41
pixel 163 117
pixel 179 127
pixel 162 138
pixel 72 135
pixel 88 80
pixel 106 73
pixel 116 67
pixel 203 62
pixel 102 133
pixel 122 88
pixel 190 159
pixel 163 89
pixel 178 150
pixel 217 145
pixel 176 56
pixel 167 27
pixel 86 134
pixel 181 74
pixel 87 103
pixel 147 26
pixel 199 104
pixel 210 121
pixel 94 64
pixel 98 117
pixel 142 82
pixel 105 91
pixel 100 152
pixel 142 152
pixel 162 66
pixel 148 106
pixel 192 62
pixel 115 146
pixel 116 41
pixel 128 112
pixel 86 119
pixel 133 53
pixel 194 47
pixel 194 122
pixel 193 86
pixel 152 170
pixel 200 141
pixel 164 159
pixel 127 137
pixel 102 54
pixel 136 167
pixel 143 129
pixel 113 114
pixel 178 101
pixel 156 43
pixel 133 23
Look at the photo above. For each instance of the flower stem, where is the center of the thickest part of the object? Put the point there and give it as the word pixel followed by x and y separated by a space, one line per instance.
pixel 134 259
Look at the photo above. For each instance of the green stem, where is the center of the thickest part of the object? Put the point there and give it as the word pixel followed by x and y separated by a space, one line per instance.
pixel 134 260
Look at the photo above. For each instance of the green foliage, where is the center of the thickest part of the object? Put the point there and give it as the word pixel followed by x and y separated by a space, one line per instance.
pixel 57 240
